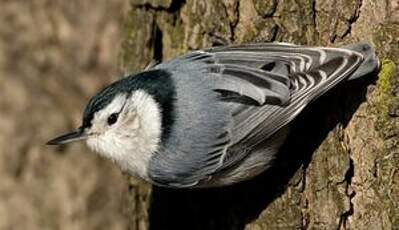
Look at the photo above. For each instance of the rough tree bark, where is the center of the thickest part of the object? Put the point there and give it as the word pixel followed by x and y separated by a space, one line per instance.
pixel 339 168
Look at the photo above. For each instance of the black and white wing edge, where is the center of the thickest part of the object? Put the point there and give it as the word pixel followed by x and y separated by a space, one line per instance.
pixel 279 79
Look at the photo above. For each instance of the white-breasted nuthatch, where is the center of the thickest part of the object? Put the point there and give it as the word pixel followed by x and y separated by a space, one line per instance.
pixel 213 117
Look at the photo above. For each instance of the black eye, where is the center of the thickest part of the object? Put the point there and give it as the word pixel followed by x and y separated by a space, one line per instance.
pixel 112 118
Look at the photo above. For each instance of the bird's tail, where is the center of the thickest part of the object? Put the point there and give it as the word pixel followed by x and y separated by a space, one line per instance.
pixel 370 60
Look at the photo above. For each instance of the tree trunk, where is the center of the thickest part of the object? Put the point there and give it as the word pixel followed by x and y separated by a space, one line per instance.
pixel 339 167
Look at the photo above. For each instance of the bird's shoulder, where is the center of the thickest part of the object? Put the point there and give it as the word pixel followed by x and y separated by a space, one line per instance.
pixel 198 133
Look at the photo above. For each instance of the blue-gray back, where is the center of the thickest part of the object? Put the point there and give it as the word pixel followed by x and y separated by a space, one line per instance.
pixel 229 99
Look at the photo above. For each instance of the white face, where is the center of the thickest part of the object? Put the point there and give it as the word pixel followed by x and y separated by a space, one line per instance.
pixel 127 131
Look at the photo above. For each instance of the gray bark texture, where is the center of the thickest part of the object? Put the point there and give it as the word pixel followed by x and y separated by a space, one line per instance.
pixel 338 169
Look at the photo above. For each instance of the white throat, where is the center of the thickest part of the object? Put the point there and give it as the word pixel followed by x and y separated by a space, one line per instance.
pixel 132 142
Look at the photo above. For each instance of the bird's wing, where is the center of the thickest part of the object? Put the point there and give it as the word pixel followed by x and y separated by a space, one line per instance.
pixel 279 78
pixel 265 86
pixel 310 71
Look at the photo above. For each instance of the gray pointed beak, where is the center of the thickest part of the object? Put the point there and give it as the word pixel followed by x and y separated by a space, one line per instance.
pixel 69 137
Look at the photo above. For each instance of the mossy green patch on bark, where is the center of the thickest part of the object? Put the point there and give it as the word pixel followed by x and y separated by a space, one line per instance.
pixel 385 76
pixel 387 125
pixel 386 101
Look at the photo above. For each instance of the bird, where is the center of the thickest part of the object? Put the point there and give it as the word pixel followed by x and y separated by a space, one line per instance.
pixel 213 117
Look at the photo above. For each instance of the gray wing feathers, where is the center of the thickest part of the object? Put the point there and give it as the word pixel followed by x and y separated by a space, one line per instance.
pixel 240 73
pixel 258 123
pixel 283 78
pixel 261 86
pixel 263 72
pixel 280 78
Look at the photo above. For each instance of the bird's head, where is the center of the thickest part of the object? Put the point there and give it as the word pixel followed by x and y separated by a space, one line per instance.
pixel 122 122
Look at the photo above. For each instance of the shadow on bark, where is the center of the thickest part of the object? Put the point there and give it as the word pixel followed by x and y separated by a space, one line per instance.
pixel 235 206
